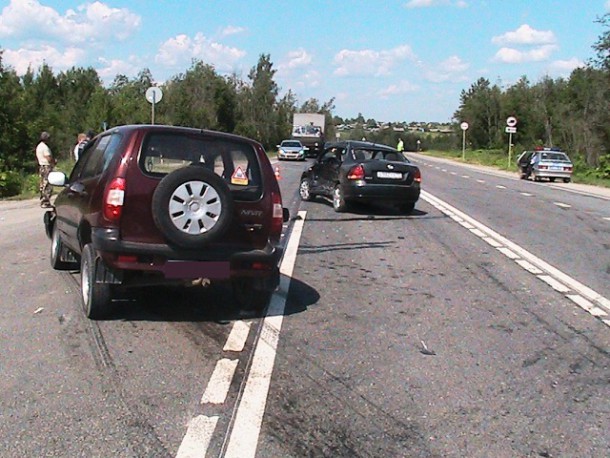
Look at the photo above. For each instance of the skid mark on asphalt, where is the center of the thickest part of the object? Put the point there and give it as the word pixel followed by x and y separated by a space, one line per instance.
pixel 583 296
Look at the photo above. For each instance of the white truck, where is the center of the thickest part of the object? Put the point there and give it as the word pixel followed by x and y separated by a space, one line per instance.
pixel 308 128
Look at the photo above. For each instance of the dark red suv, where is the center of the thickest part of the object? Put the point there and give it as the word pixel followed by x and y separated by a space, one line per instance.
pixel 149 205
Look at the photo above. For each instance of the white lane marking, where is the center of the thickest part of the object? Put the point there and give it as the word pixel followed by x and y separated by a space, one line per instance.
pixel 220 382
pixel 492 242
pixel 538 263
pixel 249 416
pixel 453 173
pixel 586 305
pixel 526 194
pixel 529 267
pixel 197 438
pixel 238 336
pixel 499 186
pixel 465 176
pixel 607 218
pixel 480 181
pixel 556 285
pixel 562 205
pixel 443 170
pixel 510 254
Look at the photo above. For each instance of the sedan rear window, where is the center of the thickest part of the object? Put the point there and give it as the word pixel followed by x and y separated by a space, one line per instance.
pixel 559 157
pixel 377 155
pixel 235 162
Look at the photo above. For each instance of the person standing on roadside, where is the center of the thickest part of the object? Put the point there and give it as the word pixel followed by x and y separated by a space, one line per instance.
pixel 81 141
pixel 401 146
pixel 46 162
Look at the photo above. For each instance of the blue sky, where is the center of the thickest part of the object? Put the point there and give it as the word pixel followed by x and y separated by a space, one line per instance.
pixel 404 60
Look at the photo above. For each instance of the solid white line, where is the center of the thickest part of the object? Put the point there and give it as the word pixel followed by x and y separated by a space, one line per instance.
pixel 539 263
pixel 220 382
pixel 197 438
pixel 249 417
pixel 238 336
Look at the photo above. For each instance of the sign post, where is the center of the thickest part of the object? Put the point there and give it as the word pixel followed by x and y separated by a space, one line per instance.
pixel 464 127
pixel 154 96
pixel 511 128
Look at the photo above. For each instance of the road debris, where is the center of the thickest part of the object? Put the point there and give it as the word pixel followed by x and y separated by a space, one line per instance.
pixel 425 350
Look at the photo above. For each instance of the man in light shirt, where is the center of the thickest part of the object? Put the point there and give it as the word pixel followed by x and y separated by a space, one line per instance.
pixel 46 162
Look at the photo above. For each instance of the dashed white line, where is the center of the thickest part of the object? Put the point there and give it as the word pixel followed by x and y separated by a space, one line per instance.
pixel 238 336
pixel 586 305
pixel 526 194
pixel 480 181
pixel 197 438
pixel 529 267
pixel 510 254
pixel 556 285
pixel 220 382
pixel 562 205
pixel 607 218
pixel 466 176
pixel 499 186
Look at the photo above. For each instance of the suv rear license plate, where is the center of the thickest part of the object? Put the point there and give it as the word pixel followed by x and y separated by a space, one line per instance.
pixel 214 270
pixel 390 175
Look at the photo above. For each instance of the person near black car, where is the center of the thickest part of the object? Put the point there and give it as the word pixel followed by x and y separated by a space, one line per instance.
pixel 46 162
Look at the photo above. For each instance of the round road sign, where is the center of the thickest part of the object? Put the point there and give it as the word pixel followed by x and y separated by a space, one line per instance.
pixel 154 94
pixel 511 121
pixel 464 126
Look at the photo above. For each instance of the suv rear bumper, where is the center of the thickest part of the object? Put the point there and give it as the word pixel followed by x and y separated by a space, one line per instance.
pixel 173 264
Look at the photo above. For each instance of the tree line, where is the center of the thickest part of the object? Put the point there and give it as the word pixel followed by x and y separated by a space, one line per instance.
pixel 76 100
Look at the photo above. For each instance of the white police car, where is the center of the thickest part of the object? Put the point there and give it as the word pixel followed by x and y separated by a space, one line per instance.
pixel 548 163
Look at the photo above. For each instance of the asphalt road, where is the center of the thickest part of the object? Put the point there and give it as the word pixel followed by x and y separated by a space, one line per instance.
pixel 473 327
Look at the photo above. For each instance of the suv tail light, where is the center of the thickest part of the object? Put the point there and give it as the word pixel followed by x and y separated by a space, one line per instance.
pixel 356 173
pixel 277 218
pixel 113 199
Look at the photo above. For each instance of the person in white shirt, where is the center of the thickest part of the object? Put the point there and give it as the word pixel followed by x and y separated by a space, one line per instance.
pixel 81 141
pixel 46 162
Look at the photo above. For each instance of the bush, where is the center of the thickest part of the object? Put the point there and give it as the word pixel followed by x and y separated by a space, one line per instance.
pixel 10 183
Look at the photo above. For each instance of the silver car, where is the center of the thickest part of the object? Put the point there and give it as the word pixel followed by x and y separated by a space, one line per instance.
pixel 547 163
pixel 291 149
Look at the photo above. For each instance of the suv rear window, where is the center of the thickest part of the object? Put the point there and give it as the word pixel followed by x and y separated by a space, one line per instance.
pixel 235 162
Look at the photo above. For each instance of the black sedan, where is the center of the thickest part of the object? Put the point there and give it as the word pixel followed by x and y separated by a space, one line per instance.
pixel 354 171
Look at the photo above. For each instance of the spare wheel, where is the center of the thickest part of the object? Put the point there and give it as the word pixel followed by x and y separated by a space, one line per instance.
pixel 192 207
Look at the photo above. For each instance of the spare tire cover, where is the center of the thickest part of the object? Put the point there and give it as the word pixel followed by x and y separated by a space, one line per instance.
pixel 192 207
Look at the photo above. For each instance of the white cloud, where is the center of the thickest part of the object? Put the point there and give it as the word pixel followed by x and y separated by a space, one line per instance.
pixel 607 5
pixel 525 35
pixel 369 62
pixel 182 49
pixel 565 67
pixel 297 59
pixel 93 23
pixel 22 59
pixel 431 3
pixel 515 56
pixel 111 68
pixel 402 87
pixel 232 30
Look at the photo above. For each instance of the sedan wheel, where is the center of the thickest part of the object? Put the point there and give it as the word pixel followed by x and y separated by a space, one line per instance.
pixel 305 190
pixel 339 203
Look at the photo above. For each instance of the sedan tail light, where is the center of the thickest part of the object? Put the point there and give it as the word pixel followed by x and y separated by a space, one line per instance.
pixel 114 198
pixel 567 169
pixel 356 173
pixel 417 176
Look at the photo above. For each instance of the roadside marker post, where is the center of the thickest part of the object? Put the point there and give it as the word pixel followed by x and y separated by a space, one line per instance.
pixel 511 128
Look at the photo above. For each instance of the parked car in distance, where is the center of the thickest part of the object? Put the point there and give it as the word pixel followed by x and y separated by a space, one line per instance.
pixel 291 149
pixel 549 163
pixel 155 205
pixel 355 171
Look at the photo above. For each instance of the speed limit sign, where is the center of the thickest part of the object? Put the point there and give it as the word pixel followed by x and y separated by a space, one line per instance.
pixel 511 121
